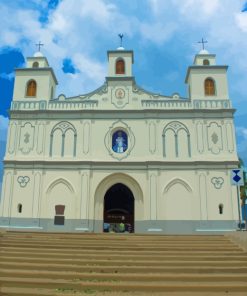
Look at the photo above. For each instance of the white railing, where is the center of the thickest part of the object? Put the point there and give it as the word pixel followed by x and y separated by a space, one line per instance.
pixel 164 104
pixel 145 104
pixel 212 104
pixel 44 105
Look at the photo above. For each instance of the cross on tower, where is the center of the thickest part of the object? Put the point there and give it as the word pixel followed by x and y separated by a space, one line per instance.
pixel 121 39
pixel 202 42
pixel 39 45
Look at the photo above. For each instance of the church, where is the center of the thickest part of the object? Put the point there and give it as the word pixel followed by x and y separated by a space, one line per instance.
pixel 120 154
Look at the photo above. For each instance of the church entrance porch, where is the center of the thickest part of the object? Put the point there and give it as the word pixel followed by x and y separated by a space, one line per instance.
pixel 119 209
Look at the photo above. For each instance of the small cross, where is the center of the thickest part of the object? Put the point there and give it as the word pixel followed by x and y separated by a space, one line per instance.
pixel 203 41
pixel 39 45
pixel 121 39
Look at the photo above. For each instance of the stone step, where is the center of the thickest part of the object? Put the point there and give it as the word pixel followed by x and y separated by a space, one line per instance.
pixel 99 277
pixel 112 256
pixel 80 286
pixel 115 236
pixel 118 244
pixel 119 237
pixel 8 291
pixel 125 269
pixel 238 252
pixel 123 262
pixel 140 247
pixel 86 241
pixel 119 264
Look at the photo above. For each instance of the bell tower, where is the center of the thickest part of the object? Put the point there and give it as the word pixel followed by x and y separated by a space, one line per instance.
pixel 120 63
pixel 206 80
pixel 35 82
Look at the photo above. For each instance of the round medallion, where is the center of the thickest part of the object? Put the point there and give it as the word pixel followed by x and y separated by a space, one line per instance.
pixel 119 93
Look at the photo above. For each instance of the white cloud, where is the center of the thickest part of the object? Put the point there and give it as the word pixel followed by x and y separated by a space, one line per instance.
pixel 9 76
pixel 80 29
pixel 241 20
pixel 204 8
pixel 158 32
pixel 89 67
pixel 242 131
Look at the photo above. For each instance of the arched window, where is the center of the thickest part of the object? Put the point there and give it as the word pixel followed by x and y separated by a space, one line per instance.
pixel 209 87
pixel 19 208
pixel 35 65
pixel 220 209
pixel 120 67
pixel 205 62
pixel 31 88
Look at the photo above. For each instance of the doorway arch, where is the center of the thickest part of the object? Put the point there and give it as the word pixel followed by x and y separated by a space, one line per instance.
pixel 119 207
pixel 104 185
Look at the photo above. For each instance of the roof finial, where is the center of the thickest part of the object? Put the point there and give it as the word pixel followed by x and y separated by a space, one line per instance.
pixel 202 42
pixel 121 39
pixel 39 45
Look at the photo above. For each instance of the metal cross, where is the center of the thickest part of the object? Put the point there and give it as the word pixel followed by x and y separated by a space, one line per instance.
pixel 121 38
pixel 39 45
pixel 202 42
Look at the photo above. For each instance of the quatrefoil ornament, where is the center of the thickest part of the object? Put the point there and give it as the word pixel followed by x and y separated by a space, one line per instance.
pixel 217 182
pixel 23 180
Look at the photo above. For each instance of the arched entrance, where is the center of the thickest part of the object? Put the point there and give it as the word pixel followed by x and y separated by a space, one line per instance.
pixel 119 208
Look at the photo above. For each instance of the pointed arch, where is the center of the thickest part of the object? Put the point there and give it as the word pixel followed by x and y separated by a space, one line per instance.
pixel 174 127
pixel 58 181
pixel 31 89
pixel 209 87
pixel 177 181
pixel 120 66
pixel 63 126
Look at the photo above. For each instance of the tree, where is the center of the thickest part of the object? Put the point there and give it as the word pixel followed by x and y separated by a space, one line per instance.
pixel 243 188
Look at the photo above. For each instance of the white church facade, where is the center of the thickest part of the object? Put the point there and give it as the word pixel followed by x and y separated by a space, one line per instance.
pixel 120 153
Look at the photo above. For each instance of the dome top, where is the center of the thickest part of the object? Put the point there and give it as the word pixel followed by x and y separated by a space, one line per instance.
pixel 203 51
pixel 38 54
pixel 120 48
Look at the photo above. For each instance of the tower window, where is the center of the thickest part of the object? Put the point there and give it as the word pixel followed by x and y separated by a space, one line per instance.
pixel 31 88
pixel 209 87
pixel 19 208
pixel 35 65
pixel 220 209
pixel 120 67
pixel 205 62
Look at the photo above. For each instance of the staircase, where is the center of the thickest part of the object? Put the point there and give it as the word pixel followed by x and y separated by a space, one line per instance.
pixel 120 264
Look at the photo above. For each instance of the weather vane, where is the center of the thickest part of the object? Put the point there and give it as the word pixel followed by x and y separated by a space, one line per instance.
pixel 121 39
pixel 39 45
pixel 202 42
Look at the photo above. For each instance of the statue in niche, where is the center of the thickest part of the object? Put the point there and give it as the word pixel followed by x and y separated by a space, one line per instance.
pixel 119 142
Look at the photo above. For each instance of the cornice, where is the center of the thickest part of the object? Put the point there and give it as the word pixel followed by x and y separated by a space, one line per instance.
pixel 120 165
pixel 123 114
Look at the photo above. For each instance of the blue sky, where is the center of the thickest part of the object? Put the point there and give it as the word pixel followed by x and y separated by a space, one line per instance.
pixel 163 34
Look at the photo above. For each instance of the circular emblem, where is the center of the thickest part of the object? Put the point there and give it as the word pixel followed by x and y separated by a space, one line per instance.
pixel 119 93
